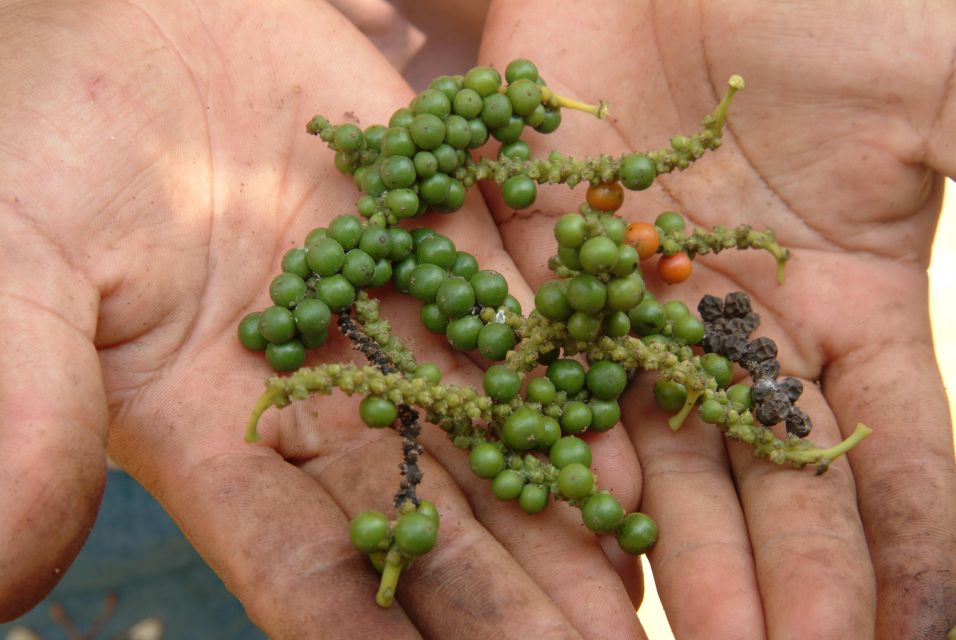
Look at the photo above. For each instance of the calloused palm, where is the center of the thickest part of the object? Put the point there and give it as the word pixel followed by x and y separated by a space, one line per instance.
pixel 840 144
pixel 153 170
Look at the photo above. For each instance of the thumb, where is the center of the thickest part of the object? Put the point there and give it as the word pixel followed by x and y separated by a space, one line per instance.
pixel 52 460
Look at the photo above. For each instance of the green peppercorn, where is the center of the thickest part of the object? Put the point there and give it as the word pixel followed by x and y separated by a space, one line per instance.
pixel 455 297
pixel 486 460
pixel 549 434
pixel 425 281
pixel 616 324
pixel 401 118
pixel 463 332
pixel 669 395
pixel 586 293
pixel 415 533
pixel 428 371
pixel 402 273
pixel 598 255
pixel 295 261
pixel 637 533
pixel 433 318
pixel 605 414
pixel 521 430
pixel 312 317
pixel 368 531
pixel 285 356
pixel 711 411
pixel 518 191
pixel 358 268
pixel 689 329
pixel 719 367
pixel 325 256
pixel 541 390
pixel 520 68
pixel 602 513
pixel 465 266
pixel 437 250
pixel 584 326
pixel 637 172
pixel 510 132
pixel 496 340
pixel 567 375
pixel 606 380
pixel 533 498
pixel 382 274
pixel 647 317
pixel 346 229
pixel 276 324
pixel 490 288
pixel 551 302
pixel 483 80
pixel 501 383
pixel 336 291
pixel 467 103
pixel 670 222
pixel 496 110
pixel 507 485
pixel 428 131
pixel 575 481
pixel 378 412
pixel 570 230
pixel 249 335
pixel 675 309
pixel 568 450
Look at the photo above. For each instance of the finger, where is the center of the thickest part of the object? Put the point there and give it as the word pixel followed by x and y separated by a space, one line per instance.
pixel 52 459
pixel 812 561
pixel 905 480
pixel 703 563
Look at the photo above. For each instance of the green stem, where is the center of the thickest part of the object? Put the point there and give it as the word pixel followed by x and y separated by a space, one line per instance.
pixel 676 421
pixel 394 563
pixel 823 457
pixel 266 400
pixel 734 84
pixel 599 110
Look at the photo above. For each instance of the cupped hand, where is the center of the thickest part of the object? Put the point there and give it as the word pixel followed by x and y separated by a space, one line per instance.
pixel 840 144
pixel 154 169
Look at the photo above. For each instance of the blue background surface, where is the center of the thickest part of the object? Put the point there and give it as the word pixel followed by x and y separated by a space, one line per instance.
pixel 137 553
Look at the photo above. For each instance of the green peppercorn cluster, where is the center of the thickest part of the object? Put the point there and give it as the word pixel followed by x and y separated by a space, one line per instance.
pixel 410 166
pixel 592 327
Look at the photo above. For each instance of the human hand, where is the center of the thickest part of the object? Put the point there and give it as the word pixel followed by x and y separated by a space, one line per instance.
pixel 840 144
pixel 154 171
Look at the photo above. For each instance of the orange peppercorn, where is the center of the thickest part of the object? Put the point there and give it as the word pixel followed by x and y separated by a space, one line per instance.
pixel 643 237
pixel 606 196
pixel 675 268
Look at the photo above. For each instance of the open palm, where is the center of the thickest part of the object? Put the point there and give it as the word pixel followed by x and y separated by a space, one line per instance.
pixel 154 171
pixel 839 144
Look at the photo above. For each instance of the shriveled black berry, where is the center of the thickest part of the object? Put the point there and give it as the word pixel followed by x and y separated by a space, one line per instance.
pixel 792 387
pixel 799 423
pixel 736 304
pixel 734 347
pixel 774 409
pixel 745 324
pixel 710 308
pixel 766 369
pixel 762 389
pixel 763 348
